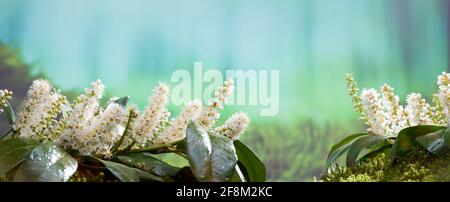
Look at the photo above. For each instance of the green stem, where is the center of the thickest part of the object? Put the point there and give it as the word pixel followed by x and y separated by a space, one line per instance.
pixel 131 145
pixel 151 148
pixel 118 143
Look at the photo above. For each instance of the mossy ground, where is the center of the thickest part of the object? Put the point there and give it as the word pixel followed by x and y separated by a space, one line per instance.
pixel 417 166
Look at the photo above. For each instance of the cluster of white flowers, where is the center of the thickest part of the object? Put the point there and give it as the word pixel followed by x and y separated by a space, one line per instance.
pixel 146 125
pixel 81 119
pixel 177 128
pixel 373 110
pixel 88 129
pixel 385 116
pixel 444 93
pixel 234 126
pixel 4 96
pixel 37 115
pixel 209 115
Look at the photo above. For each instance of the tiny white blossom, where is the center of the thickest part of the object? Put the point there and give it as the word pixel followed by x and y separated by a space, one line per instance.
pixel 4 96
pixel 96 90
pixel 444 94
pixel 80 116
pixel 105 129
pixel 373 109
pixel 418 110
pixel 177 129
pixel 388 117
pixel 234 126
pixel 88 129
pixel 145 125
pixel 39 110
pixel 209 115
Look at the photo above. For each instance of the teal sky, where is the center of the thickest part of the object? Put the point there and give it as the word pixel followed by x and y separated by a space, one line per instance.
pixel 134 44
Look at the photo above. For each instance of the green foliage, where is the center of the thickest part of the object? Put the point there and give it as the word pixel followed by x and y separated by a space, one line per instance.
pixel 416 166
pixel 436 142
pixel 129 174
pixel 342 147
pixel 211 157
pixel 13 152
pixel 46 163
pixel 417 153
pixel 149 163
pixel 199 151
pixel 253 168
pixel 223 158
pixel 368 142
pixel 407 139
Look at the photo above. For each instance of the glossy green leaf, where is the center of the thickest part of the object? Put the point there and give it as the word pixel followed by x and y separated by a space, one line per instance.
pixel 361 144
pixel 14 151
pixel 406 139
pixel 250 164
pixel 447 138
pixel 148 163
pixel 47 163
pixel 223 157
pixel 340 148
pixel 198 148
pixel 129 174
pixel 435 142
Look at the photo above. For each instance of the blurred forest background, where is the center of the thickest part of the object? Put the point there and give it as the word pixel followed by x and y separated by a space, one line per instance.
pixel 132 45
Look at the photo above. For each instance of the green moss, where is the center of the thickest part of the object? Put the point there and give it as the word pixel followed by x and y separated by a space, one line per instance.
pixel 417 166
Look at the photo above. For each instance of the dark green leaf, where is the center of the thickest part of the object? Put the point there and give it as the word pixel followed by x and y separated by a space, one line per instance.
pixel 361 144
pixel 14 151
pixel 198 148
pixel 47 163
pixel 377 150
pixel 129 174
pixel 406 139
pixel 252 166
pixel 238 175
pixel 447 137
pixel 223 158
pixel 340 148
pixel 148 163
pixel 435 142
